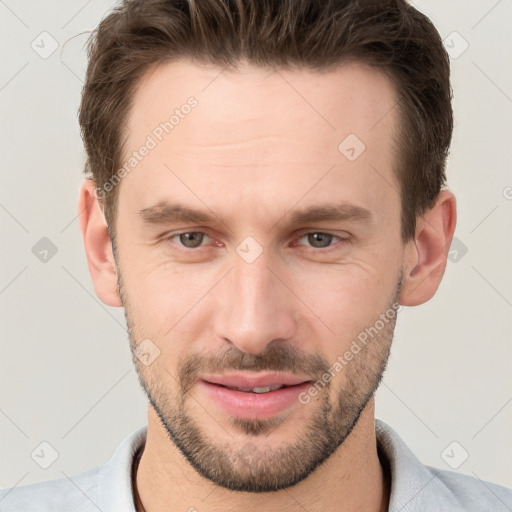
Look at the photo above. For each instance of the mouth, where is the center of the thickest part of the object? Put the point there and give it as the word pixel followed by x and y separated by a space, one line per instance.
pixel 249 381
pixel 254 396
pixel 259 389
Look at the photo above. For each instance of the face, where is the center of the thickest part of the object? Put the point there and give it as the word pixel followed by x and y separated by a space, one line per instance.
pixel 258 244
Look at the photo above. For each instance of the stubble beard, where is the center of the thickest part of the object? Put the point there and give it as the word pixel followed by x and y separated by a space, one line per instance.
pixel 251 465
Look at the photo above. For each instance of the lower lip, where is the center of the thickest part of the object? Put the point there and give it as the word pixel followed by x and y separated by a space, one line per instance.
pixel 254 406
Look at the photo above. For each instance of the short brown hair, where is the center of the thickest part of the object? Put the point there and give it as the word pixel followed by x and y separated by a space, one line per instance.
pixel 313 34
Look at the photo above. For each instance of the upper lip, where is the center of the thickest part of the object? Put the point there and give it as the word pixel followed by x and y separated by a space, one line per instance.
pixel 255 379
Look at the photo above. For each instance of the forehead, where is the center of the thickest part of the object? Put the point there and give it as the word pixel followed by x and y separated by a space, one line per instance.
pixel 251 126
pixel 352 96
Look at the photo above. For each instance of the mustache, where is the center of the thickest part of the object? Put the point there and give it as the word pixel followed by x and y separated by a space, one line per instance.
pixel 276 357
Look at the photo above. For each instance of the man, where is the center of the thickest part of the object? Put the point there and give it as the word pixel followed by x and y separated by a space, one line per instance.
pixel 266 190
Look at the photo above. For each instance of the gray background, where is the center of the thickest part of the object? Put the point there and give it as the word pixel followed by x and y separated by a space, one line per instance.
pixel 66 375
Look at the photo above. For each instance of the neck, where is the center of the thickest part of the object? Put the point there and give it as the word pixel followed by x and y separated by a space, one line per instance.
pixel 351 479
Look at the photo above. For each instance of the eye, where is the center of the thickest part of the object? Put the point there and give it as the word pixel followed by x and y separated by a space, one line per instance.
pixel 320 240
pixel 190 240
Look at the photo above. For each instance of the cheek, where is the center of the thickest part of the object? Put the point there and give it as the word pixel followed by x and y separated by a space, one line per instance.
pixel 177 304
pixel 165 299
pixel 345 300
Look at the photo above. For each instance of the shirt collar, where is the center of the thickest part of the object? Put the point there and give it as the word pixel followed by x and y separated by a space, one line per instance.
pixel 115 491
pixel 414 486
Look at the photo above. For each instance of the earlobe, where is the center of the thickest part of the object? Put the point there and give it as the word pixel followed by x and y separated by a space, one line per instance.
pixel 98 246
pixel 426 255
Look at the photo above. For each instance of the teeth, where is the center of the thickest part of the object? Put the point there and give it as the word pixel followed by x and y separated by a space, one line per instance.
pixel 262 389
pixel 265 389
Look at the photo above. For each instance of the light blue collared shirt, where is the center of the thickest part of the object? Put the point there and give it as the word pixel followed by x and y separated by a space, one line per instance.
pixel 414 486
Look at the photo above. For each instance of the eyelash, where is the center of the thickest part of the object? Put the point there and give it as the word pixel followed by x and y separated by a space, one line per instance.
pixel 335 238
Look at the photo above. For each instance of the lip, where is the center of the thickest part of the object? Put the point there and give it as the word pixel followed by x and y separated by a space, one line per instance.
pixel 255 379
pixel 254 406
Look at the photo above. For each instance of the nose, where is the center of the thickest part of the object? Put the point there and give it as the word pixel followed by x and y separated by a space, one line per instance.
pixel 255 308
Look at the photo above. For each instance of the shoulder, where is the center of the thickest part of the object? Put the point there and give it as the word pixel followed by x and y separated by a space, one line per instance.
pixel 418 487
pixel 106 487
pixel 77 493
pixel 471 493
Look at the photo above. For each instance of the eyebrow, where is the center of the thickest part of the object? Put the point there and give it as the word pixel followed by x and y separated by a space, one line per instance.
pixel 166 213
pixel 332 212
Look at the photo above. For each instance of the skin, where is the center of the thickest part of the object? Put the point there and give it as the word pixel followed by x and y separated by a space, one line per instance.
pixel 260 146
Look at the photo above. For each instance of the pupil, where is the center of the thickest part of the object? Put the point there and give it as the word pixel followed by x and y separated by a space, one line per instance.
pixel 320 239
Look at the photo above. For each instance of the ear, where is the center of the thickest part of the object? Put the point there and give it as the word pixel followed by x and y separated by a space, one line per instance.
pixel 98 246
pixel 426 255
